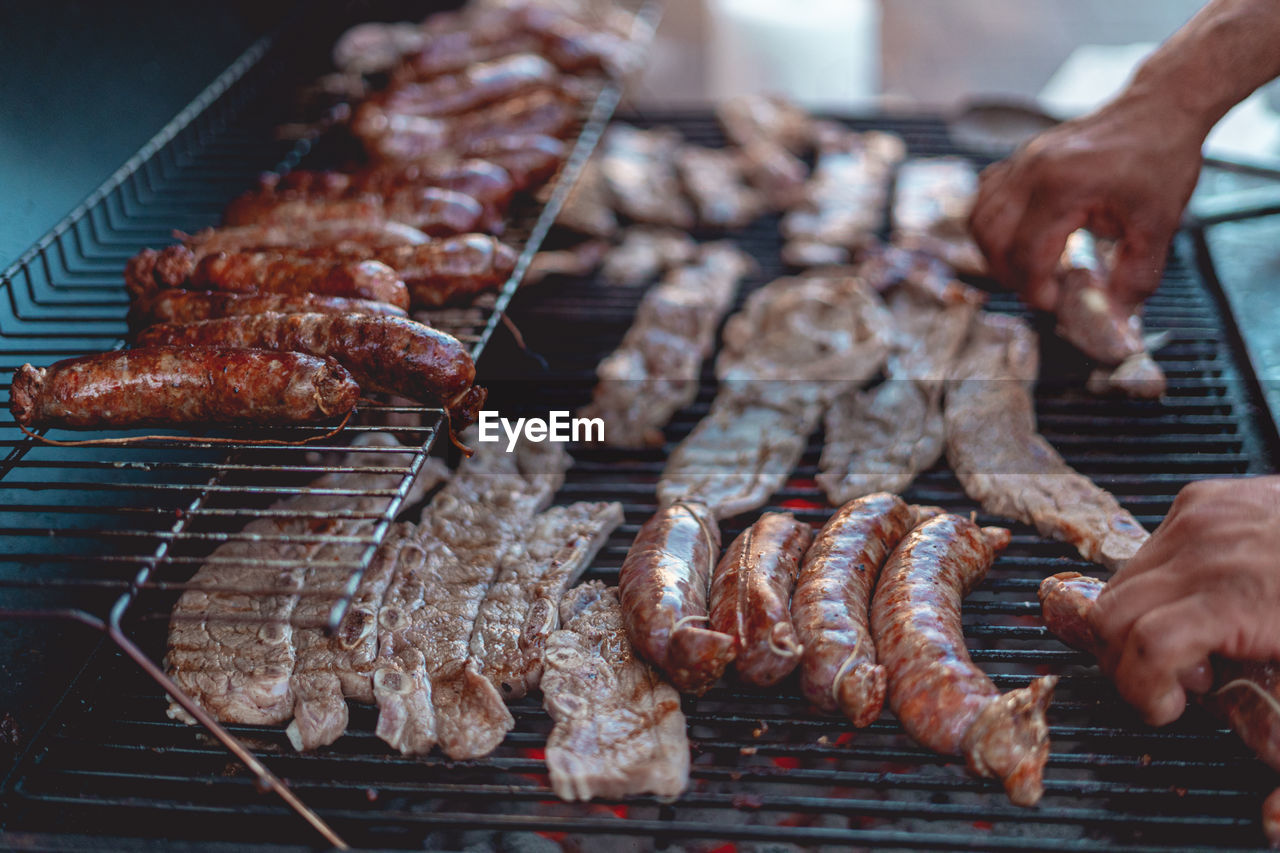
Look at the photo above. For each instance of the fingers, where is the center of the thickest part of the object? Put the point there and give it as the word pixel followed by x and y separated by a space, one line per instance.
pixel 1037 249
pixel 1139 263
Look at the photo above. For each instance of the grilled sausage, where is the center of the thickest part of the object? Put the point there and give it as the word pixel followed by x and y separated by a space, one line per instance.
pixel 175 305
pixel 663 589
pixel 393 355
pixel 830 607
pixel 751 596
pixel 1065 601
pixel 1246 694
pixel 473 87
pixel 941 698
pixel 339 234
pixel 432 210
pixel 441 271
pixel 172 385
pixel 530 159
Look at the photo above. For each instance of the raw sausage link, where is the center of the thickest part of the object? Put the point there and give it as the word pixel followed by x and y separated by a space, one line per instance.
pixel 942 699
pixel 172 385
pixel 663 588
pixel 830 608
pixel 174 305
pixel 751 596
pixel 393 355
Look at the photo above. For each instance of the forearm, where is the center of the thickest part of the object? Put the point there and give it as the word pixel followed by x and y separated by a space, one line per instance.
pixel 1230 48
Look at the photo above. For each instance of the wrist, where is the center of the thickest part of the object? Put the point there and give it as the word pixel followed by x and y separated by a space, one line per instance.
pixel 1172 118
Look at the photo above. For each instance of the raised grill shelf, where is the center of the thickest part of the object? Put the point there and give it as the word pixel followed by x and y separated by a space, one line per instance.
pixel 767 771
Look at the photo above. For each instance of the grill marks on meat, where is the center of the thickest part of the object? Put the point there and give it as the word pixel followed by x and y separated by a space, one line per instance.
pixel 931 203
pixel 181 385
pixel 880 439
pixel 618 726
pixel 712 178
pixel 655 370
pixel 941 698
pixel 839 670
pixel 1005 465
pixel 393 355
pixel 520 610
pixel 797 345
pixel 844 200
pixel 751 597
pixel 663 587
pixel 231 634
pixel 427 621
pixel 639 169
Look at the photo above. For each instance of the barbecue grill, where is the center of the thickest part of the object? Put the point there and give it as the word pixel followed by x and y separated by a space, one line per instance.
pixel 132 524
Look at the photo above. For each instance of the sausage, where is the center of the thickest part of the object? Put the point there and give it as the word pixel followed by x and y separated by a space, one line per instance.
pixel 663 589
pixel 1065 601
pixel 175 305
pixel 830 608
pixel 172 385
pixel 389 135
pixel 443 270
pixel 488 183
pixel 432 210
pixel 263 272
pixel 450 52
pixel 335 234
pixel 393 355
pixel 530 159
pixel 942 699
pixel 751 597
pixel 1245 694
pixel 473 87
pixel 454 267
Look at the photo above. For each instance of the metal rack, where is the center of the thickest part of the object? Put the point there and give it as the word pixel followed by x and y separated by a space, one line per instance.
pixel 766 768
pixel 88 530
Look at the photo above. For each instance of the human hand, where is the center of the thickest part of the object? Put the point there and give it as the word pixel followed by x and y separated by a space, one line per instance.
pixel 1124 172
pixel 1207 582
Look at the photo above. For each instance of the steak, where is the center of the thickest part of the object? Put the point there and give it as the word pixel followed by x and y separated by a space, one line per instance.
pixel 521 608
pixel 618 727
pixel 427 619
pixel 931 203
pixel 1008 467
pixel 797 345
pixel 654 372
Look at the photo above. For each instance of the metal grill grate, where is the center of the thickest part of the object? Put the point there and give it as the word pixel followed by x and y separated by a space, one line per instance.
pixel 766 769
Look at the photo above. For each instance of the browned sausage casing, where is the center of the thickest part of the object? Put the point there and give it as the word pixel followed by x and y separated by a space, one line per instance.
pixel 530 159
pixel 751 596
pixel 181 385
pixel 341 234
pixel 663 589
pixel 393 355
pixel 175 305
pixel 433 210
pixel 942 699
pixel 1246 694
pixel 473 87
pixel 830 607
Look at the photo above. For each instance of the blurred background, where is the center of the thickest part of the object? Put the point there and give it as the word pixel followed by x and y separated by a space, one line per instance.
pixel 84 85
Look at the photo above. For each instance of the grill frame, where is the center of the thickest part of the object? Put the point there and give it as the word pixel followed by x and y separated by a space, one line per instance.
pixel 102 693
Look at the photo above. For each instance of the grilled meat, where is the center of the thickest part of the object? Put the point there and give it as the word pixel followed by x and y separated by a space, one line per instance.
pixel 618 726
pixel 639 169
pixel 654 372
pixel 645 252
pixel 521 608
pixel 712 178
pixel 1005 465
pixel 175 305
pixel 931 202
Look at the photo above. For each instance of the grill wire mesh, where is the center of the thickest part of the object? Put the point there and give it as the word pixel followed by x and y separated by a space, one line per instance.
pixel 766 769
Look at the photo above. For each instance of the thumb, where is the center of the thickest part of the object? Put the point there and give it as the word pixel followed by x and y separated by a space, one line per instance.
pixel 1137 268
